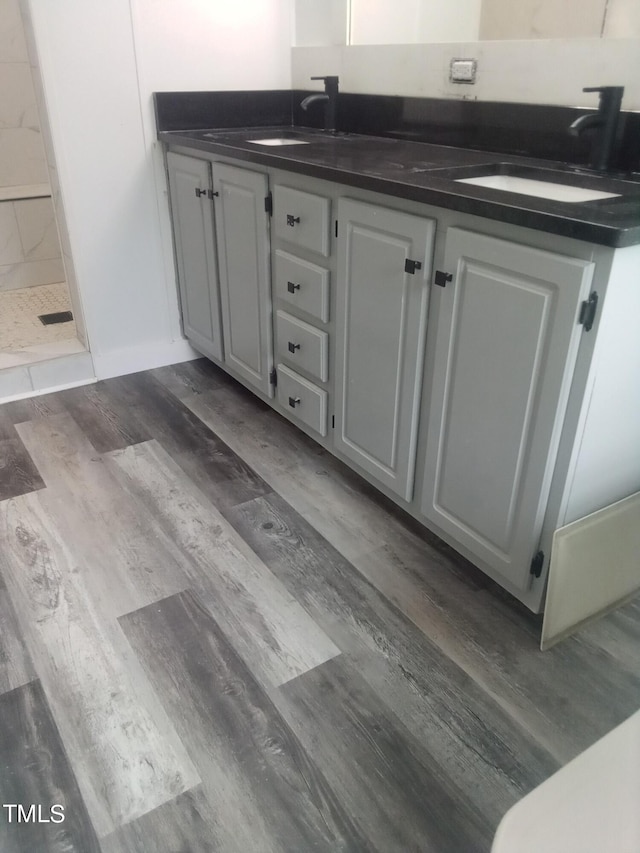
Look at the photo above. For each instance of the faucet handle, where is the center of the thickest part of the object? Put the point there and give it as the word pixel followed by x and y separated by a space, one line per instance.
pixel 610 96
pixel 615 89
pixel 330 82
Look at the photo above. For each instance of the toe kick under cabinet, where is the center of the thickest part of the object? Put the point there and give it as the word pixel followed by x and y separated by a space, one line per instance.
pixel 482 375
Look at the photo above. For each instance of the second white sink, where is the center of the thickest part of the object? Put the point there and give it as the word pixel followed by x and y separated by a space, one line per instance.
pixel 540 189
pixel 278 140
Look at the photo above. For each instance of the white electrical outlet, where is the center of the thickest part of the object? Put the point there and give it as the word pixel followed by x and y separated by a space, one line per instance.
pixel 463 70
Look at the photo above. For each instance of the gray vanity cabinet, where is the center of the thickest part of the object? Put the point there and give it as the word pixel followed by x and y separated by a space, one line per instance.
pixel 242 228
pixel 505 339
pixel 476 394
pixel 194 240
pixel 384 266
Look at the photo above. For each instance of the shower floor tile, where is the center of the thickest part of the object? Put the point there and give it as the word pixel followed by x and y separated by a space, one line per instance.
pixel 23 337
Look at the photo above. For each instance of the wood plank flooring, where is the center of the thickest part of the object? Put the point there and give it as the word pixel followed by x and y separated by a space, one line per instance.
pixel 274 633
pixel 216 637
pixel 36 770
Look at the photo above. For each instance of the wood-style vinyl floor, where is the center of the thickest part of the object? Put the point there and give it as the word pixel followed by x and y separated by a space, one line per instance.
pixel 215 637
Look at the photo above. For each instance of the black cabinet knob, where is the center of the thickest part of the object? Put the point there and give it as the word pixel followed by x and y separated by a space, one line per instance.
pixel 293 347
pixel 293 401
pixel 412 266
pixel 200 192
pixel 291 287
pixel 441 278
pixel 291 219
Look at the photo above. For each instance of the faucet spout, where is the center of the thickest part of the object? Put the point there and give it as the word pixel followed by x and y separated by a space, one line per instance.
pixel 330 100
pixel 311 99
pixel 584 122
pixel 605 122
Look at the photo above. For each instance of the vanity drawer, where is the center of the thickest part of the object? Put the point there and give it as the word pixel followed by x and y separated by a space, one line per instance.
pixel 302 285
pixel 302 398
pixel 303 345
pixel 301 218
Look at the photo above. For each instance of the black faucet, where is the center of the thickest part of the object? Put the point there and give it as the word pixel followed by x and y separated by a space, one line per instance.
pixel 330 98
pixel 605 123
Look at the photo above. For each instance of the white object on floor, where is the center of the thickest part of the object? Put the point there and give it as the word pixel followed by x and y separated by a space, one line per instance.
pixel 592 805
pixel 595 566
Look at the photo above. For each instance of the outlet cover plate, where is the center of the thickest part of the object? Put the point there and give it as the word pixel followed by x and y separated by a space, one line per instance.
pixel 463 70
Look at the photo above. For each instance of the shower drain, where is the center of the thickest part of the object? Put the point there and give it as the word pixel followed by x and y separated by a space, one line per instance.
pixel 55 317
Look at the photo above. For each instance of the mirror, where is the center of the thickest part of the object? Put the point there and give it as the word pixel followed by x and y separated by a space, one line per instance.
pixel 360 22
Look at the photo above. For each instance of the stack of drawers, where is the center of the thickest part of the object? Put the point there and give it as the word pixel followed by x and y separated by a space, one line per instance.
pixel 301 223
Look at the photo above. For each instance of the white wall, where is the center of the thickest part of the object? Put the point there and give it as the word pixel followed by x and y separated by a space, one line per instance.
pixel 321 22
pixel 21 152
pixel 192 45
pixel 411 21
pixel 622 19
pixel 535 72
pixel 100 62
pixel 504 19
pixel 211 44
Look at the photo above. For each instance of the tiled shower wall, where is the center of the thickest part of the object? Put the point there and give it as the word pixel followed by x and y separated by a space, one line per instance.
pixel 29 246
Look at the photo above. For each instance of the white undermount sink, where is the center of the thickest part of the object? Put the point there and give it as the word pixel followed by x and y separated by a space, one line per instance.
pixel 278 140
pixel 540 189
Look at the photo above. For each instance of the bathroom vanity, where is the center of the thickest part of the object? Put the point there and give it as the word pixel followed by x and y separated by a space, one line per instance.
pixel 468 348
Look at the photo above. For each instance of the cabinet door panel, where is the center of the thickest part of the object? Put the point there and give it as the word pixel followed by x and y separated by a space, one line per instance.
pixel 194 239
pixel 243 245
pixel 380 329
pixel 507 338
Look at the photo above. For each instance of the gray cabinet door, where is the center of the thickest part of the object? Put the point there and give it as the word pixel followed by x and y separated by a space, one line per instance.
pixel 194 239
pixel 381 315
pixel 243 250
pixel 506 338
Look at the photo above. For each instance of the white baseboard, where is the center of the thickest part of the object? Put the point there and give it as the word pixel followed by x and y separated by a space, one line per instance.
pixel 134 359
pixel 45 377
pixel 58 374
pixel 38 392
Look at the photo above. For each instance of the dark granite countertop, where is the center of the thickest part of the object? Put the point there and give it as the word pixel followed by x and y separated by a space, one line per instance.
pixel 426 173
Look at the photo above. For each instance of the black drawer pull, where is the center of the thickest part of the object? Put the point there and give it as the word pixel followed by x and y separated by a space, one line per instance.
pixel 293 401
pixel 441 278
pixel 291 220
pixel 291 287
pixel 200 192
pixel 293 347
pixel 412 266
